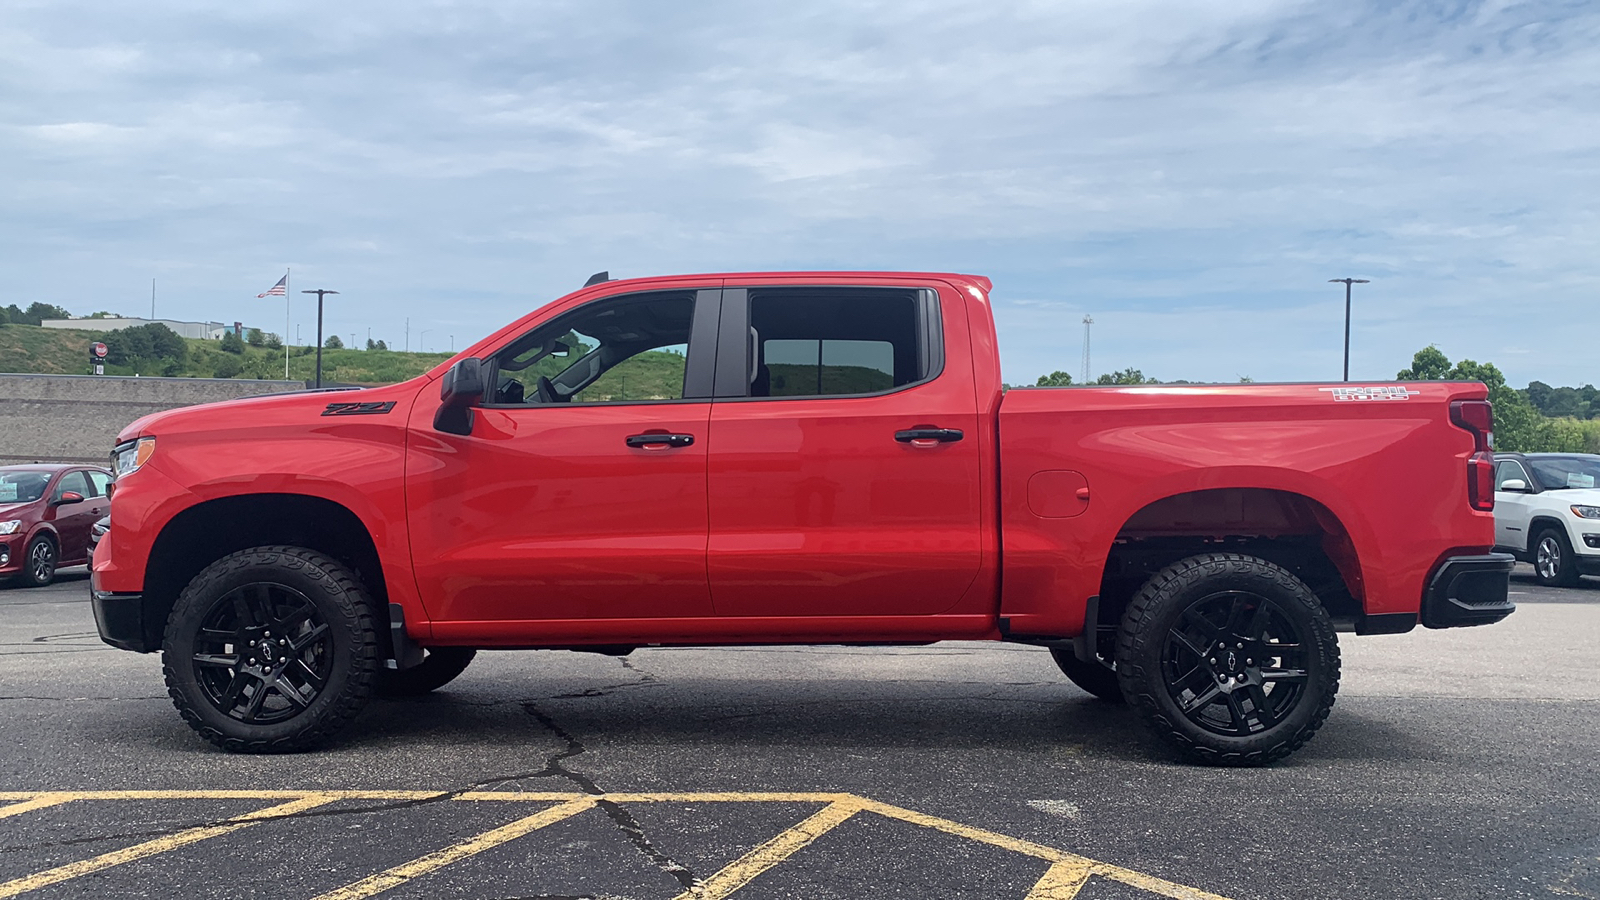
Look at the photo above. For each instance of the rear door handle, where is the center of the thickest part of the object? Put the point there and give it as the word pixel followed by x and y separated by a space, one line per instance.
pixel 934 435
pixel 659 441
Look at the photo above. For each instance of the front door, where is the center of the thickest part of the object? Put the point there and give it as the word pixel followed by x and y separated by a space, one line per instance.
pixel 581 490
pixel 845 480
pixel 1511 508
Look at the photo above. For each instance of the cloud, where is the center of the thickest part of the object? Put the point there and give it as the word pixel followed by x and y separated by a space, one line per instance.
pixel 1190 173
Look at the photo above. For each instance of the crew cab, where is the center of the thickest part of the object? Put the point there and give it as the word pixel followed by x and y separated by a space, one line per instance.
pixel 793 458
pixel 1547 512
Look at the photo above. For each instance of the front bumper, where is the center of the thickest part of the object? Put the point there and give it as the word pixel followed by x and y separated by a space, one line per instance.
pixel 1469 590
pixel 120 618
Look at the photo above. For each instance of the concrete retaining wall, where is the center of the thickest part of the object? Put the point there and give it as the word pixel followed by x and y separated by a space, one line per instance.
pixel 75 418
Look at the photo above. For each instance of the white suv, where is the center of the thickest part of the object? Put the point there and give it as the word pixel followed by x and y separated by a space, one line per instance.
pixel 1547 512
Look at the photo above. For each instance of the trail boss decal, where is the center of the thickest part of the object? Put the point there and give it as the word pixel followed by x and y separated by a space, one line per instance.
pixel 1369 393
pixel 369 408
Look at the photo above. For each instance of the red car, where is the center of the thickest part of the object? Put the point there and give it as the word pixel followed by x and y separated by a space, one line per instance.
pixel 46 512
pixel 794 458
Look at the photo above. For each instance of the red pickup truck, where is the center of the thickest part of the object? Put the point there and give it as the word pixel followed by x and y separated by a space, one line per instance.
pixel 793 458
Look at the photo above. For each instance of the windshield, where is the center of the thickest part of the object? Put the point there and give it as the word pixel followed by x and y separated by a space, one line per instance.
pixel 1557 472
pixel 22 487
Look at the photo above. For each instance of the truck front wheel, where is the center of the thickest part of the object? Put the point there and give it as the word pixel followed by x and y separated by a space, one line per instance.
pixel 1229 658
pixel 271 650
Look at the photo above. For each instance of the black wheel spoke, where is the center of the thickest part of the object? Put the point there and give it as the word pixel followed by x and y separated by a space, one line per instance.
pixel 291 692
pixel 257 699
pixel 230 697
pixel 299 644
pixel 1236 711
pixel 1200 701
pixel 221 660
pixel 1194 620
pixel 1263 705
pixel 1294 676
pixel 1184 641
pixel 302 613
pixel 317 682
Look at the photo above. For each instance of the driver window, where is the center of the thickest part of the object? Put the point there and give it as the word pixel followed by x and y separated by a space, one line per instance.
pixel 1509 470
pixel 619 350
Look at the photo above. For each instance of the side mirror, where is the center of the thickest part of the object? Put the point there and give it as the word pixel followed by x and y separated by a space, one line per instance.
pixel 68 497
pixel 460 390
pixel 1515 485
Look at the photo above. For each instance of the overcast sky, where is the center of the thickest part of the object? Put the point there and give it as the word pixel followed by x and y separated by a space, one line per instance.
pixel 1191 174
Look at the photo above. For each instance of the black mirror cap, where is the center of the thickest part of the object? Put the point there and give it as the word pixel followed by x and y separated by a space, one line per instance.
pixel 460 390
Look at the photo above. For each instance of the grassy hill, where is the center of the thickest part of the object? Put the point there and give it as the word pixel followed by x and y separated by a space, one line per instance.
pixel 55 351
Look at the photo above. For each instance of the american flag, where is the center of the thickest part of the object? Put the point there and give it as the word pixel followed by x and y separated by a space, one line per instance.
pixel 281 289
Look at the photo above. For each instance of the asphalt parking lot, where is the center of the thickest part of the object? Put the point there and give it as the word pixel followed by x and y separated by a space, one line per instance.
pixel 1456 764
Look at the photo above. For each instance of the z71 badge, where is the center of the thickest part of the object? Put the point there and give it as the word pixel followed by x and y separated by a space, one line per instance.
pixel 1388 392
pixel 369 408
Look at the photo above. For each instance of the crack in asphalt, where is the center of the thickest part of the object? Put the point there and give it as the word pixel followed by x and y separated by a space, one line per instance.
pixel 553 768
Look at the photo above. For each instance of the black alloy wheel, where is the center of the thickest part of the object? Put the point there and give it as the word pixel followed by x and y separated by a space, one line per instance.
pixel 263 653
pixel 40 566
pixel 1235 664
pixel 1230 658
pixel 271 649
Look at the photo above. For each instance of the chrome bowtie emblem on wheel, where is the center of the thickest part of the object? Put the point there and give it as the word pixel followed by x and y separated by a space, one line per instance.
pixel 1371 393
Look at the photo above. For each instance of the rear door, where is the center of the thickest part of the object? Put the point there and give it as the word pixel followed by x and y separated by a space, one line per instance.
pixel 844 463
pixel 73 520
pixel 580 492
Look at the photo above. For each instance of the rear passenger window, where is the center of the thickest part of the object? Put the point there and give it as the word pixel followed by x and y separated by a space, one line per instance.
pixel 816 342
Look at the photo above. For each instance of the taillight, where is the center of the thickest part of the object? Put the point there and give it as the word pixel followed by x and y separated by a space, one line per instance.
pixel 1477 417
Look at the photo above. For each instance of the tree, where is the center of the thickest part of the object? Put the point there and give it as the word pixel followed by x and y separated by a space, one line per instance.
pixel 1126 376
pixel 333 343
pixel 38 312
pixel 231 343
pixel 1429 364
pixel 255 338
pixel 228 367
pixel 13 315
pixel 382 345
pixel 1057 378
pixel 144 346
pixel 273 342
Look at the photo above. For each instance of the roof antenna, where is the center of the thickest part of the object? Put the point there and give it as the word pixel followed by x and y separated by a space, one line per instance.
pixel 598 278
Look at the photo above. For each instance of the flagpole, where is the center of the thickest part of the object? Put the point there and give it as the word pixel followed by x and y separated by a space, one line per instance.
pixel 286 324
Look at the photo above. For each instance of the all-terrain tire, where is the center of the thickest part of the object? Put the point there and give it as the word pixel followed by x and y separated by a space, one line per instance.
pixel 1553 563
pixel 1220 597
pixel 39 565
pixel 438 668
pixel 325 651
pixel 1093 677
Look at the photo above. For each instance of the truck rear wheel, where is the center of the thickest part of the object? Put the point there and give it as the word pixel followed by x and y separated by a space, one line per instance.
pixel 1229 658
pixel 271 650
pixel 438 668
pixel 1094 677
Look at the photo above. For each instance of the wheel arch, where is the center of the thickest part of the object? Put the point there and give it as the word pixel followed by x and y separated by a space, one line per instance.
pixel 1539 523
pixel 207 531
pixel 1285 527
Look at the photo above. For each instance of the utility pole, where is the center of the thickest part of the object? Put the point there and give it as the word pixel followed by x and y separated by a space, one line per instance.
pixel 319 292
pixel 1087 321
pixel 1347 282
pixel 452 343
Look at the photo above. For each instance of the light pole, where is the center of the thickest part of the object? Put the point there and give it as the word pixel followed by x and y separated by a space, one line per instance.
pixel 1347 282
pixel 319 292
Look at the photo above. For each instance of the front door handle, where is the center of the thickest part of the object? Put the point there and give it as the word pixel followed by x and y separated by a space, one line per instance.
pixel 927 437
pixel 659 441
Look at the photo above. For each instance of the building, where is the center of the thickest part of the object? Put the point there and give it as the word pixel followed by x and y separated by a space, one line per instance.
pixel 211 330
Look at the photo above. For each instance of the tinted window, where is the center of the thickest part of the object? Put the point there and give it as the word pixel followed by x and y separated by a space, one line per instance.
pixel 1559 472
pixel 620 350
pixel 1506 471
pixel 98 481
pixel 811 342
pixel 73 481
pixel 22 487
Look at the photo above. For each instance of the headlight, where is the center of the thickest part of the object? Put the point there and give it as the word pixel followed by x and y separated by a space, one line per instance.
pixel 1586 512
pixel 10 527
pixel 127 458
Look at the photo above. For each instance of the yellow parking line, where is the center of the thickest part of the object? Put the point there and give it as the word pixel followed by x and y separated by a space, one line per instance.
pixel 743 870
pixel 39 801
pixel 1063 881
pixel 159 845
pixel 393 878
